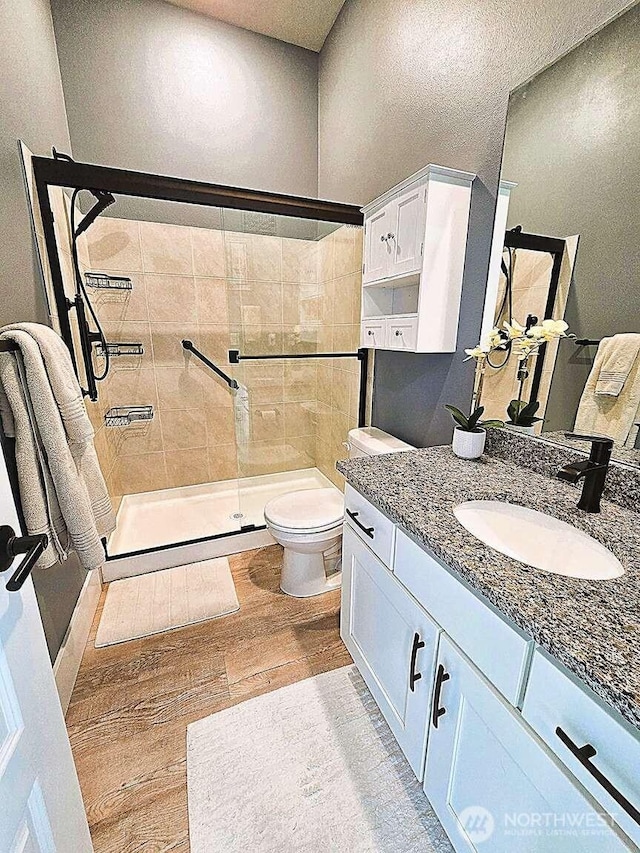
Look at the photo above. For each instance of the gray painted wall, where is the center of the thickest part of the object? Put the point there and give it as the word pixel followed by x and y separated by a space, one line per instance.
pixel 402 84
pixel 573 147
pixel 157 88
pixel 32 109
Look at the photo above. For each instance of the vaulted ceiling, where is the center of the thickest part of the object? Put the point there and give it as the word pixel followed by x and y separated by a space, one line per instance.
pixel 302 22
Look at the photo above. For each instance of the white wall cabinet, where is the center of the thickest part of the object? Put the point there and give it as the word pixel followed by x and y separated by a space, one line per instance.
pixel 414 250
pixel 493 784
pixel 499 778
pixel 393 642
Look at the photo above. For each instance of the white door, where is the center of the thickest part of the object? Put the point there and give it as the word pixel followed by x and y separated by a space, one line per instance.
pixel 493 783
pixel 377 244
pixel 392 641
pixel 407 233
pixel 40 803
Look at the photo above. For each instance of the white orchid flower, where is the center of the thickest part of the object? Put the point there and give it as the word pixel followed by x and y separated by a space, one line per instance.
pixel 554 329
pixel 514 329
pixel 476 352
pixel 495 338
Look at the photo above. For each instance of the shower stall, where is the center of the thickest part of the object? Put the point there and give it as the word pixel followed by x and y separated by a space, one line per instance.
pixel 216 333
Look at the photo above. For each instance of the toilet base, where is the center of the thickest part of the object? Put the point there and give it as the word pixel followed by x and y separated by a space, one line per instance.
pixel 303 575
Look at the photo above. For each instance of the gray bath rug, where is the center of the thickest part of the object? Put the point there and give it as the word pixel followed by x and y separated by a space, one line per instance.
pixel 310 768
pixel 172 598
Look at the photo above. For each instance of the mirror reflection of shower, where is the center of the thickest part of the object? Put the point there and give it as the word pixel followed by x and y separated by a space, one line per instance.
pixel 533 285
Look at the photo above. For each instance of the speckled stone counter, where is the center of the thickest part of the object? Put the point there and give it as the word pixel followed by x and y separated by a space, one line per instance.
pixel 592 627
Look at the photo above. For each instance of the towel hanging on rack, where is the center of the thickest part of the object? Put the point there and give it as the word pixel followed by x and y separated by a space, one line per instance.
pixel 62 490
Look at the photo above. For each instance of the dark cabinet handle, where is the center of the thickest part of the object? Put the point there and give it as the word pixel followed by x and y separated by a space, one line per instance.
pixel 12 545
pixel 584 754
pixel 438 712
pixel 413 675
pixel 368 531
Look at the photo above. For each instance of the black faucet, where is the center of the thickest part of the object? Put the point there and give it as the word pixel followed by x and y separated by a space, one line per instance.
pixel 594 469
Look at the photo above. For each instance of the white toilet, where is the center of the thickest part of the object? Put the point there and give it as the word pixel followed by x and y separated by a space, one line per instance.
pixel 308 523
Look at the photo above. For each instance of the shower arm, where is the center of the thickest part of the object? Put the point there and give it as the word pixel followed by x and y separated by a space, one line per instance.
pixel 189 346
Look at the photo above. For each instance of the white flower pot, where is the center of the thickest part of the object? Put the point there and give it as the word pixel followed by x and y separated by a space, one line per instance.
pixel 468 445
pixel 528 430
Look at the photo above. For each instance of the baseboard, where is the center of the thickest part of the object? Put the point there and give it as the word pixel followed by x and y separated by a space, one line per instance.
pixel 67 663
pixel 117 568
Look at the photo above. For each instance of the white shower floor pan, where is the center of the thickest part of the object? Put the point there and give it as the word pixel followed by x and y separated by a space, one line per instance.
pixel 172 516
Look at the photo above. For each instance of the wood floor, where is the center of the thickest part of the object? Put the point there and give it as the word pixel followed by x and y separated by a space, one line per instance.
pixel 133 702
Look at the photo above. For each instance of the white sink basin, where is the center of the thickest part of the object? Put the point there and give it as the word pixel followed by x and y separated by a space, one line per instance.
pixel 538 540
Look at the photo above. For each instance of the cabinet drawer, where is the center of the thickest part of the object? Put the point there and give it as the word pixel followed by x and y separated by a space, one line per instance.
pixel 500 651
pixel 567 717
pixel 374 334
pixel 402 334
pixel 370 524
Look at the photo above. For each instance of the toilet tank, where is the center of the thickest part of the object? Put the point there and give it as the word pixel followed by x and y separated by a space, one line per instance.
pixel 371 441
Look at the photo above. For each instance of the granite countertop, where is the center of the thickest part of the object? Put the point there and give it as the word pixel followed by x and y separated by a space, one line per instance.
pixel 592 627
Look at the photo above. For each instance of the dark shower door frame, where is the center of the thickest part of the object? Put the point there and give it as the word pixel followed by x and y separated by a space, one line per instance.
pixel 51 172
pixel 554 246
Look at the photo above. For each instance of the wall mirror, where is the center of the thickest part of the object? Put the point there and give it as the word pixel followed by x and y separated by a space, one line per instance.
pixel 570 206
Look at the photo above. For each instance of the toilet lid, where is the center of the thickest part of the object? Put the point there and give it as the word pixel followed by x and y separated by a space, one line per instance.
pixel 310 509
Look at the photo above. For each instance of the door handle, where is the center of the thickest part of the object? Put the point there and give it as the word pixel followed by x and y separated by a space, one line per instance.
pixel 413 675
pixel 584 754
pixel 11 545
pixel 368 531
pixel 438 712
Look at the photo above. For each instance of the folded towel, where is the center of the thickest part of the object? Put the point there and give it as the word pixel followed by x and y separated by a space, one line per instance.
pixel 606 414
pixel 62 490
pixel 614 360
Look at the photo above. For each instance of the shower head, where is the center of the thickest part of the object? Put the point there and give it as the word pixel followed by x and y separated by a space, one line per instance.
pixel 103 200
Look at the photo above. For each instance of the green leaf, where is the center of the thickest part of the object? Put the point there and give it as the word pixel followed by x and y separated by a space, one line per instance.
pixel 459 417
pixel 491 424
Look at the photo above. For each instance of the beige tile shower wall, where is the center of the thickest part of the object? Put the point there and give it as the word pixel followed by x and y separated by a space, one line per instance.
pixel 340 274
pixel 256 293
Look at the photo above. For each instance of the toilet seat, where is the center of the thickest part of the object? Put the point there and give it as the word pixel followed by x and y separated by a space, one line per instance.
pixel 306 511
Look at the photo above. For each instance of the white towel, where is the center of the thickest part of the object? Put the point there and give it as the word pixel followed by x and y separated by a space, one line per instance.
pixel 62 490
pixel 614 361
pixel 606 414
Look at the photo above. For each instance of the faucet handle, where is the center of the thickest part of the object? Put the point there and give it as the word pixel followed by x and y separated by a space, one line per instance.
pixel 604 440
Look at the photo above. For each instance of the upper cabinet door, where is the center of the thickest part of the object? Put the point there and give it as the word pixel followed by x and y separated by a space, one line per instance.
pixel 407 232
pixel 377 245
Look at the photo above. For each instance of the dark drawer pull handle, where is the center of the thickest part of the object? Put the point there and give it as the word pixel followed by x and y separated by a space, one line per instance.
pixel 438 711
pixel 413 675
pixel 12 545
pixel 368 531
pixel 584 754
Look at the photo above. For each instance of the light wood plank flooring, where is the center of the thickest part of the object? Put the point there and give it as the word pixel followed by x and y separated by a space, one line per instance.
pixel 132 703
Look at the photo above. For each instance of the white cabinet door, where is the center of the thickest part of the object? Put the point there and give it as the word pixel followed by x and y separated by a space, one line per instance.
pixel 378 244
pixel 392 641
pixel 41 807
pixel 407 232
pixel 493 783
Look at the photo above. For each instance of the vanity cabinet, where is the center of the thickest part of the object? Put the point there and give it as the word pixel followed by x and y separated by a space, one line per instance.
pixel 477 708
pixel 493 784
pixel 415 239
pixel 393 642
pixel 599 750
